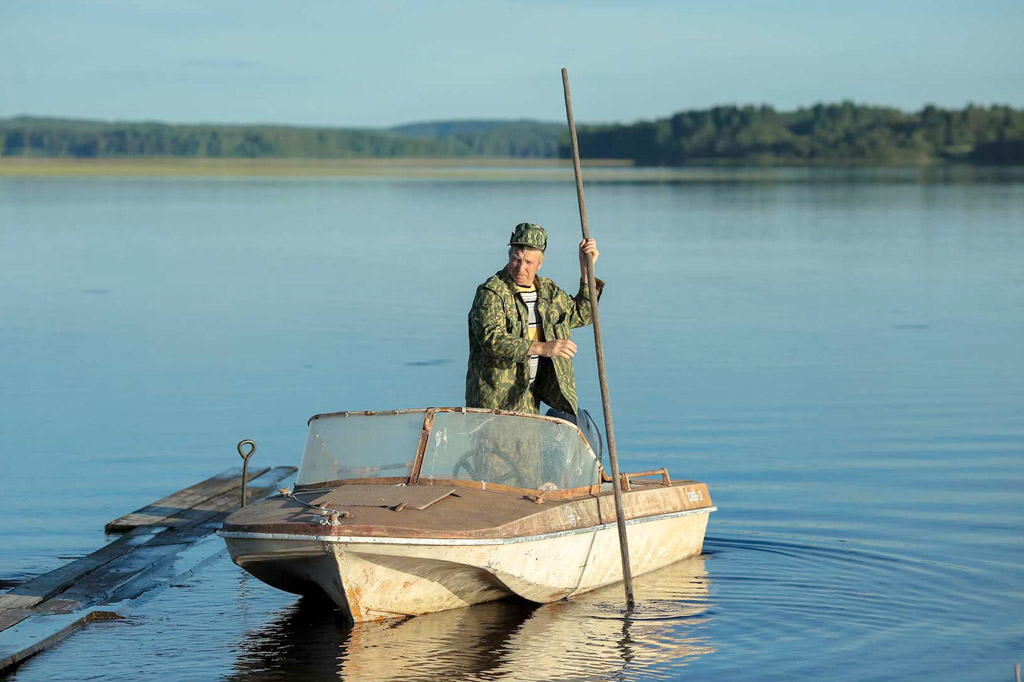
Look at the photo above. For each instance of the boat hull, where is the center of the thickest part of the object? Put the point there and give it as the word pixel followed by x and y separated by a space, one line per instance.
pixel 372 578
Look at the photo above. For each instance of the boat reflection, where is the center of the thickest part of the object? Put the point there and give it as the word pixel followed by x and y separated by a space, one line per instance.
pixel 587 637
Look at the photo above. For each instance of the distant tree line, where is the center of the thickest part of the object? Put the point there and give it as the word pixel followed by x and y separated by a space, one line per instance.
pixel 521 139
pixel 824 133
pixel 39 137
pixel 90 139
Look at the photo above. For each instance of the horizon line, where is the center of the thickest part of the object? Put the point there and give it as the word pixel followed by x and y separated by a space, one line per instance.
pixel 201 123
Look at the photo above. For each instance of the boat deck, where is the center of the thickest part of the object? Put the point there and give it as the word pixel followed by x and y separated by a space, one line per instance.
pixel 453 509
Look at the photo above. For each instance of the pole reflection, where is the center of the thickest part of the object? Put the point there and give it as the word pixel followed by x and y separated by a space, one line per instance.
pixel 586 637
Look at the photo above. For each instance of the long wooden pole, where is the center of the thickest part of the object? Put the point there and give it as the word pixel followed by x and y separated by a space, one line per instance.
pixel 620 514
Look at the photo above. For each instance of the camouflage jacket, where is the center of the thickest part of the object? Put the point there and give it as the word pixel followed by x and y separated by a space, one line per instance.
pixel 498 376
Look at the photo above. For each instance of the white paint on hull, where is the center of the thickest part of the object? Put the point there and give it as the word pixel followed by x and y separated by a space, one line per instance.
pixel 375 578
pixel 387 540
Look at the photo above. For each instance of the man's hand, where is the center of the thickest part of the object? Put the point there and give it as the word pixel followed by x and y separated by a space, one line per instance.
pixel 560 348
pixel 587 246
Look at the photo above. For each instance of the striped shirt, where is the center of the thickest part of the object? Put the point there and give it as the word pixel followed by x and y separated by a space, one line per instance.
pixel 529 296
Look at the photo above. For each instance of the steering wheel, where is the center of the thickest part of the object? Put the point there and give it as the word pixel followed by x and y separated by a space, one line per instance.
pixel 480 467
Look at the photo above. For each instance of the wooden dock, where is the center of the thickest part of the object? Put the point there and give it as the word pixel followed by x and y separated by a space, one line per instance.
pixel 161 542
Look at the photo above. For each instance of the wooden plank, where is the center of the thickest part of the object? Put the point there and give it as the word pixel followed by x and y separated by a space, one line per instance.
pixel 45 586
pixel 80 584
pixel 99 585
pixel 44 630
pixel 33 635
pixel 11 617
pixel 183 563
pixel 210 515
pixel 95 586
pixel 220 506
pixel 187 498
pixel 184 535
pixel 41 612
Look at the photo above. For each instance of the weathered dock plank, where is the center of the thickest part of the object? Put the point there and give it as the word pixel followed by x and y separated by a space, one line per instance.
pixel 11 617
pixel 221 505
pixel 175 568
pixel 36 634
pixel 42 611
pixel 173 505
pixel 97 587
pixel 198 504
pixel 30 593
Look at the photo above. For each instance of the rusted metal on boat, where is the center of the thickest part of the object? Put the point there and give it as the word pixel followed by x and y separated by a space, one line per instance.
pixel 245 463
pixel 458 540
pixel 663 472
pixel 361 413
pixel 428 422
pixel 625 477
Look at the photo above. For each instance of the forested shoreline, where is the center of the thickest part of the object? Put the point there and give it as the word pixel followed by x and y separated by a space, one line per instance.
pixel 69 138
pixel 833 133
pixel 844 133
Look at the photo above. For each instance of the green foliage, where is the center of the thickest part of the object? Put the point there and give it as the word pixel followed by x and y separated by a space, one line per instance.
pixel 92 139
pixel 821 134
pixel 522 138
pixel 832 133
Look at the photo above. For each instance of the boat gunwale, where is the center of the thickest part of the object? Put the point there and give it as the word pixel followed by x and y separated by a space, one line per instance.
pixel 456 541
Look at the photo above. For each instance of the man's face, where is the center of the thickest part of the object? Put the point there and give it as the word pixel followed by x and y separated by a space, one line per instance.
pixel 523 264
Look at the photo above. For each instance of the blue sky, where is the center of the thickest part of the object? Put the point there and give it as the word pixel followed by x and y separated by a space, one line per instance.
pixel 311 62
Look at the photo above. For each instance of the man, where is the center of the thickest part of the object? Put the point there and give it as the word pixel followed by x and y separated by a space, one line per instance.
pixel 520 344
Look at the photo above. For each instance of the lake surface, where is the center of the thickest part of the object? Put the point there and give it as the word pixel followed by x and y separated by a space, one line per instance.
pixel 839 356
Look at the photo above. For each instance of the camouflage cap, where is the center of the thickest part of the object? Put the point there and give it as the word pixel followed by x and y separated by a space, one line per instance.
pixel 529 234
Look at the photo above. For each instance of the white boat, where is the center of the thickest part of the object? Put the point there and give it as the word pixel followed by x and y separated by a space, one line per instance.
pixel 506 640
pixel 409 512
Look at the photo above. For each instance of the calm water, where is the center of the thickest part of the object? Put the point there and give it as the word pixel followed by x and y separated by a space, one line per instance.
pixel 841 360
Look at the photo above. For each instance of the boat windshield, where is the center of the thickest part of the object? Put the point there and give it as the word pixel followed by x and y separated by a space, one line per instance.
pixel 360 445
pixel 523 452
